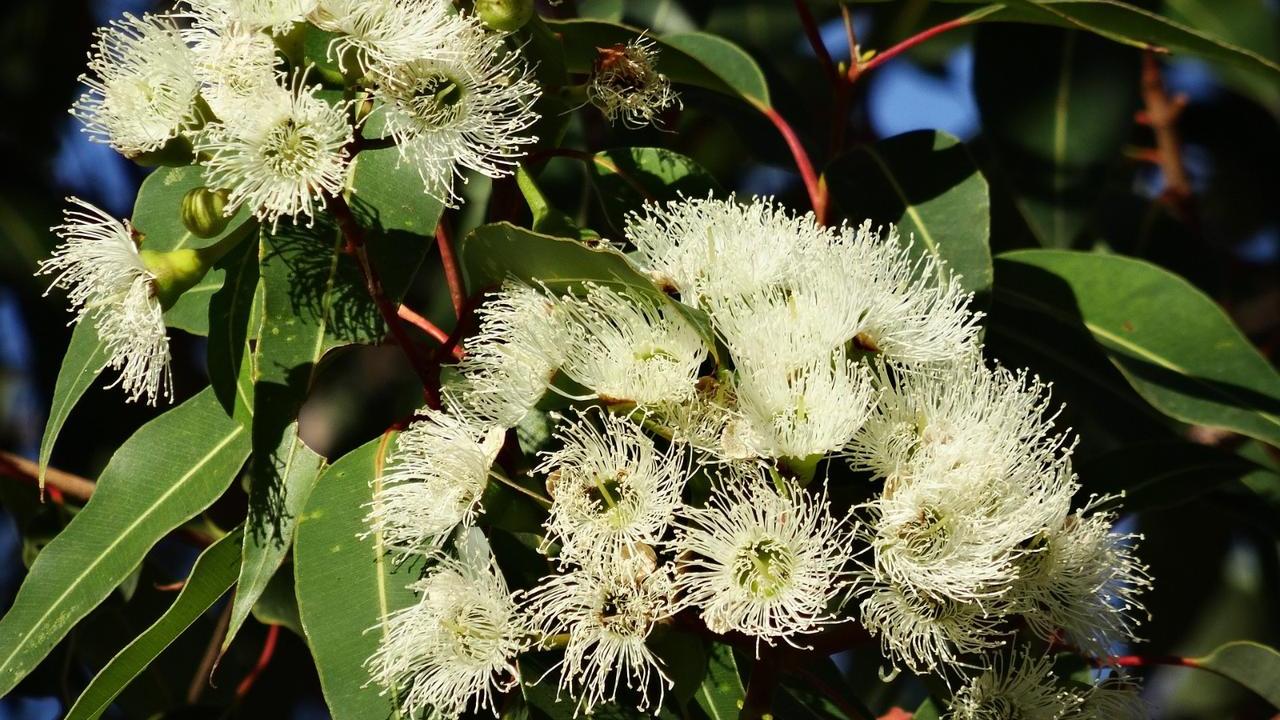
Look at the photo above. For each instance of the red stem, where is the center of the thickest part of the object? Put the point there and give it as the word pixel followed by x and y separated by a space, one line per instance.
pixel 1148 661
pixel 451 273
pixel 815 39
pixel 886 55
pixel 264 659
pixel 815 187
pixel 354 236
pixel 408 315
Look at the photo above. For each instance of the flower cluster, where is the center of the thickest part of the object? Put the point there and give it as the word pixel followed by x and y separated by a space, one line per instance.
pixel 225 85
pixel 692 480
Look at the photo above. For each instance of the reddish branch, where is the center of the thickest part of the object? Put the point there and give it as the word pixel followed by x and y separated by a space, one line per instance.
pixel 1161 113
pixel 407 314
pixel 355 245
pixel 457 293
pixel 57 480
pixel 812 184
pixel 815 39
pixel 264 659
pixel 858 68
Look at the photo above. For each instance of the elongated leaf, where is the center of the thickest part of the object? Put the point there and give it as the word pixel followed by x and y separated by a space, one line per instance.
pixel 1251 664
pixel 1057 107
pixel 230 312
pixel 926 183
pixel 698 59
pixel 210 578
pixel 1173 344
pixel 272 523
pixel 721 694
pixel 1164 475
pixel 493 253
pixel 389 195
pixel 347 584
pixel 81 365
pixel 1248 24
pixel 627 178
pixel 278 605
pixel 171 469
pixel 157 214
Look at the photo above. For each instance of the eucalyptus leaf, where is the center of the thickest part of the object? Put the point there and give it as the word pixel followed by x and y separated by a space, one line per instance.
pixel 1253 665
pixel 81 365
pixel 171 469
pixel 721 694
pixel 627 178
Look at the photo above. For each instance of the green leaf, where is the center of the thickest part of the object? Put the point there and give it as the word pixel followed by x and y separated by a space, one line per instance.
pixel 684 656
pixel 389 195
pixel 347 583
pixel 547 219
pixel 157 214
pixel 81 365
pixel 928 710
pixel 1173 344
pixel 926 183
pixel 496 252
pixel 227 353
pixel 1251 664
pixel 1131 25
pixel 1163 475
pixel 278 604
pixel 721 694
pixel 1057 107
pixel 271 523
pixel 171 469
pixel 627 178
pixel 1248 24
pixel 210 578
pixel 698 59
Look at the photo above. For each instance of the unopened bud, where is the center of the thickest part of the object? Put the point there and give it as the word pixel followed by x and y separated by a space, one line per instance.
pixel 203 211
pixel 505 15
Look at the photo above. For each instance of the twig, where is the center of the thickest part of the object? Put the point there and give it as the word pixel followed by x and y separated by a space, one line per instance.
pixel 858 68
pixel 413 318
pixel 1145 661
pixel 204 672
pixel 814 186
pixel 844 88
pixel 23 469
pixel 264 659
pixel 1161 113
pixel 457 293
pixel 815 39
pixel 354 237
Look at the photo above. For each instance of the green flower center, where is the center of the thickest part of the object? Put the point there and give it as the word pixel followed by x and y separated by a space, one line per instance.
pixel 763 568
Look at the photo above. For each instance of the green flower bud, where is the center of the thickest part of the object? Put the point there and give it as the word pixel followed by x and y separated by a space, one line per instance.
pixel 176 272
pixel 505 15
pixel 202 211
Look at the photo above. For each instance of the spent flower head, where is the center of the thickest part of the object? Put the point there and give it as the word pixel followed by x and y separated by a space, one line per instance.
pixel 627 87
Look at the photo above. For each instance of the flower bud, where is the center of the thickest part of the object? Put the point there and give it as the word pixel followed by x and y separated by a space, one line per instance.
pixel 203 211
pixel 505 15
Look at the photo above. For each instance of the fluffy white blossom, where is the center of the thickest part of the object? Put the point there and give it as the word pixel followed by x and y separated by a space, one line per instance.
pixel 1116 698
pixel 608 611
pixel 281 154
pixel 632 349
pixel 612 489
pixel 510 361
pixel 1019 686
pixel 109 285
pixel 142 88
pixel 1082 583
pixel 434 480
pixel 708 247
pixel 766 562
pixel 274 15
pixel 235 63
pixel 918 310
pixel 469 109
pixel 626 86
pixel 802 411
pixel 928 634
pixel 457 645
pixel 383 33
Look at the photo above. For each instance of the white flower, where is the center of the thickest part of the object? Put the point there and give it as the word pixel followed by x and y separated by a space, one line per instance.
pixel 274 15
pixel 383 33
pixel 919 312
pixel 235 63
pixel 608 611
pixel 625 85
pixel 708 247
pixel 142 89
pixel 804 411
pixel 281 154
pixel 632 349
pixel 109 284
pixel 705 421
pixel 469 109
pixel 612 489
pixel 1082 584
pixel 434 481
pixel 456 647
pixel 1021 686
pixel 511 360
pixel 926 634
pixel 760 562
pixel 1117 698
